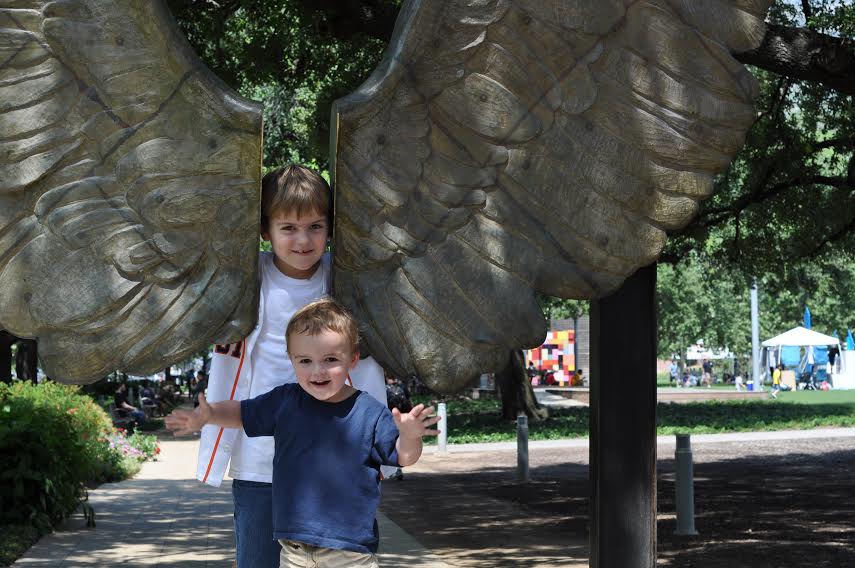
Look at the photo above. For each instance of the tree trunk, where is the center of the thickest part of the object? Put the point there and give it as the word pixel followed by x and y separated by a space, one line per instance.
pixel 6 341
pixel 167 374
pixel 27 360
pixel 516 392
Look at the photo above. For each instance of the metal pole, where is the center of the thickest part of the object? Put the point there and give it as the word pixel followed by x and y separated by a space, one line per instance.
pixel 522 448
pixel 755 339
pixel 443 428
pixel 685 487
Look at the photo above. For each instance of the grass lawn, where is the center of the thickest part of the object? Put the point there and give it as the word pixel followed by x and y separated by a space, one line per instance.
pixel 471 421
pixel 819 397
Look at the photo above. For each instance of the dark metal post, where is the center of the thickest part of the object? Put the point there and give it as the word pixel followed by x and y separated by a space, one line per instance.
pixel 623 425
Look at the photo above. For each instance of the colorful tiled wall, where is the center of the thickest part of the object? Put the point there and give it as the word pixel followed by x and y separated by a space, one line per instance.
pixel 556 354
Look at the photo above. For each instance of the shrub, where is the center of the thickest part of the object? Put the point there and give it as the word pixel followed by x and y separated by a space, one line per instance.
pixel 50 445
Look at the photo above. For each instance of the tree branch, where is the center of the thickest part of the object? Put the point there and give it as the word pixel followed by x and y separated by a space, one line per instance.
pixel 834 143
pixel 806 9
pixel 807 55
pixel 719 215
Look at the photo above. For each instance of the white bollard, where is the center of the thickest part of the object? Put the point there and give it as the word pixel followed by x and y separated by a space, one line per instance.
pixel 685 488
pixel 522 448
pixel 443 428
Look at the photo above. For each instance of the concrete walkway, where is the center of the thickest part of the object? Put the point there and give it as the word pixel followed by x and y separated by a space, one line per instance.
pixel 163 517
pixel 553 400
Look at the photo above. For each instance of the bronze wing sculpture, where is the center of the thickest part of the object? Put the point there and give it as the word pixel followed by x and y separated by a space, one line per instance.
pixel 504 148
pixel 129 189
pixel 501 148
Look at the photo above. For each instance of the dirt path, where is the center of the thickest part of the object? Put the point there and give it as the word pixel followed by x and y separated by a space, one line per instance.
pixel 758 505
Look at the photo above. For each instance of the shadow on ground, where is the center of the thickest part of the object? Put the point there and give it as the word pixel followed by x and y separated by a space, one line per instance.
pixel 790 509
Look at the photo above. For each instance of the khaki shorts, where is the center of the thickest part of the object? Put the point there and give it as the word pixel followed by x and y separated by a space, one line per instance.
pixel 300 555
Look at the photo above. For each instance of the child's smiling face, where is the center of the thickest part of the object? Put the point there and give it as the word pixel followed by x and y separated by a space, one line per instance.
pixel 298 242
pixel 322 363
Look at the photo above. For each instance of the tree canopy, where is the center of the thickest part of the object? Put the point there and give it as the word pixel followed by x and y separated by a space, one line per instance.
pixel 783 213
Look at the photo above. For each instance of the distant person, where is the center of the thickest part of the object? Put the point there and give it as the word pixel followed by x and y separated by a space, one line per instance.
pixel 397 397
pixel 148 397
pixel 776 378
pixel 706 377
pixel 532 373
pixel 125 408
pixel 397 394
pixel 578 380
pixel 167 397
pixel 737 381
pixel 833 355
pixel 549 378
pixel 147 393
pixel 673 372
pixel 199 387
pixel 691 380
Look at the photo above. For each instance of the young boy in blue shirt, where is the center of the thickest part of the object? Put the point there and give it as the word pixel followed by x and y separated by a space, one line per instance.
pixel 330 440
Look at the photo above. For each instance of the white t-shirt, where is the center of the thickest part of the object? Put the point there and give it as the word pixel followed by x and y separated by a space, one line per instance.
pixel 271 367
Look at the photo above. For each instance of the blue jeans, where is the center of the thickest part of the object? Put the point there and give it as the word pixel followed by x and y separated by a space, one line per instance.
pixel 254 541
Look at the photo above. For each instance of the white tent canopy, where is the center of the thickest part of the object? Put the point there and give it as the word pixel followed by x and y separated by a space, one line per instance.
pixel 801 337
pixel 697 353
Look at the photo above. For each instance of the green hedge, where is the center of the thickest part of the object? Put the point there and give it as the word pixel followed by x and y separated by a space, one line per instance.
pixel 53 442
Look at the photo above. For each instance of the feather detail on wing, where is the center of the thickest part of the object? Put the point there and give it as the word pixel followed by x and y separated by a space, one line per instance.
pixel 129 189
pixel 504 148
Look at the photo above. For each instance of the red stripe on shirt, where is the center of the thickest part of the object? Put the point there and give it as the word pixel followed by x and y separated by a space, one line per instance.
pixel 231 397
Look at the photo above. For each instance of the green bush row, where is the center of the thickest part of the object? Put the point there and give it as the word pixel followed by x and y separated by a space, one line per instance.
pixel 55 441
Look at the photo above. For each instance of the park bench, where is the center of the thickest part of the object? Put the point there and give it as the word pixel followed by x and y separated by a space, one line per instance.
pixel 120 420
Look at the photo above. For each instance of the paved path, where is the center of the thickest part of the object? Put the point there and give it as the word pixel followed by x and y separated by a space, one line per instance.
pixel 163 517
pixel 552 400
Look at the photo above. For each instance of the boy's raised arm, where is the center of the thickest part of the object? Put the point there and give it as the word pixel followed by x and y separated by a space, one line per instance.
pixel 411 427
pixel 225 413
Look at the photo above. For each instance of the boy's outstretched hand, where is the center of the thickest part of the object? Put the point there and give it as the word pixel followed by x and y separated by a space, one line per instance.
pixel 184 422
pixel 416 423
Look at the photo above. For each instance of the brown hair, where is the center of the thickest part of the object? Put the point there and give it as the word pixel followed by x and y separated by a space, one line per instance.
pixel 321 315
pixel 294 189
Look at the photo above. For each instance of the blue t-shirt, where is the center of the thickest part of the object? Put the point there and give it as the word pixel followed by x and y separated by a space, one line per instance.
pixel 326 466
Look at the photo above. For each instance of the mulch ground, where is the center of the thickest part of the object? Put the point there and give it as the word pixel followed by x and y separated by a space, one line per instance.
pixel 758 505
